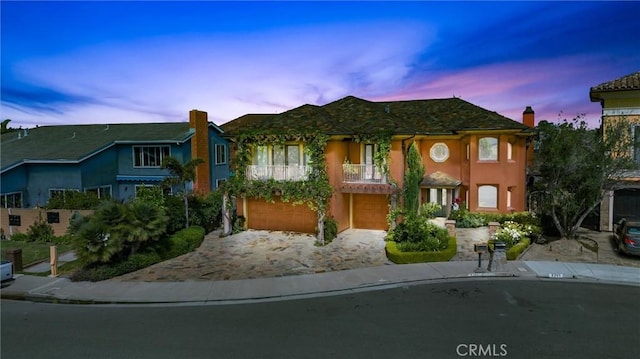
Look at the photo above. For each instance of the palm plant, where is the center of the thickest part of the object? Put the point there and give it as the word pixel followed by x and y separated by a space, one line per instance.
pixel 146 223
pixel 181 174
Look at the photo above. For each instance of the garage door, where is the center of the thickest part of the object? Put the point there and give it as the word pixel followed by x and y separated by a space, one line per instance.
pixel 370 211
pixel 280 216
pixel 626 204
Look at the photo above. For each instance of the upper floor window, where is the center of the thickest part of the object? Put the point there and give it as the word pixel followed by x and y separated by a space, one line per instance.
pixel 439 152
pixel 488 196
pixel 221 154
pixel 287 155
pixel 11 200
pixel 149 156
pixel 488 149
pixel 509 151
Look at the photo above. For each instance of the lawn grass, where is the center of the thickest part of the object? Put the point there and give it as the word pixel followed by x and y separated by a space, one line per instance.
pixel 32 252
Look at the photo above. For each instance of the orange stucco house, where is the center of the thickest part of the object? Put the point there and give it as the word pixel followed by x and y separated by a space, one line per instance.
pixel 471 155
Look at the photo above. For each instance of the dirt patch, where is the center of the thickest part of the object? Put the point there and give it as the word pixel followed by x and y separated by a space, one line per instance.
pixel 589 247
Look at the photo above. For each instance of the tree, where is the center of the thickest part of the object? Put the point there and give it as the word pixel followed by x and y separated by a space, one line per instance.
pixel 577 166
pixel 4 127
pixel 412 179
pixel 181 174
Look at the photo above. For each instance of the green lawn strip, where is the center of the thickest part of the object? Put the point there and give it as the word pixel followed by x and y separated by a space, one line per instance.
pixel 32 252
pixel 398 257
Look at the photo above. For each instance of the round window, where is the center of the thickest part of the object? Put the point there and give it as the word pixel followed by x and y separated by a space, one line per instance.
pixel 439 152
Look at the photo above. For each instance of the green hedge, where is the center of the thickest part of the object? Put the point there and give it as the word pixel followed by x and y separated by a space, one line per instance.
pixel 180 243
pixel 185 241
pixel 515 250
pixel 398 257
pixel 518 248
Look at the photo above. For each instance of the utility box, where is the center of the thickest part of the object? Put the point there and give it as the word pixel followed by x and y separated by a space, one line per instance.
pixel 14 255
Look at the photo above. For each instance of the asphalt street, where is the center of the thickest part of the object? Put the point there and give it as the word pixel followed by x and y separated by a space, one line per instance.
pixel 469 318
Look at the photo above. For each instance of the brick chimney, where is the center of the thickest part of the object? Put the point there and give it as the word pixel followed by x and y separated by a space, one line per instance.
pixel 198 120
pixel 528 117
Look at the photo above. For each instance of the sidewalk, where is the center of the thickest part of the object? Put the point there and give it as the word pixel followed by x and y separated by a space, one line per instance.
pixel 62 290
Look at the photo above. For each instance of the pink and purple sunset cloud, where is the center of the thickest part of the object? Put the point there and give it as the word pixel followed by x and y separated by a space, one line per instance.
pixel 230 59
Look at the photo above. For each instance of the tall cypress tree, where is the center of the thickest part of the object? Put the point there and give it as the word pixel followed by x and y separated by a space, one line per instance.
pixel 412 179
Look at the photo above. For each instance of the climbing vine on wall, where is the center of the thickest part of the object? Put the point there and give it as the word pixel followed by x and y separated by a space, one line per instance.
pixel 314 191
pixel 382 148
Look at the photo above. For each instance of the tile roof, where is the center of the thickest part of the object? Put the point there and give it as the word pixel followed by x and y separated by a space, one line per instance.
pixel 624 83
pixel 440 179
pixel 75 142
pixel 351 115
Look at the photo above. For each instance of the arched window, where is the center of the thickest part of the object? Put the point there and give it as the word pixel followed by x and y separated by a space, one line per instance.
pixel 488 196
pixel 488 149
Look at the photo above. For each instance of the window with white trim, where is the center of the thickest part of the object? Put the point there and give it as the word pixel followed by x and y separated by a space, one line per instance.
pixel 488 149
pixel 221 154
pixel 101 192
pixel 149 156
pixel 289 154
pixel 488 196
pixel 11 200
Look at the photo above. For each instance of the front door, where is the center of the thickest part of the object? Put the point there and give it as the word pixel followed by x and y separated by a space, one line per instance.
pixel 439 196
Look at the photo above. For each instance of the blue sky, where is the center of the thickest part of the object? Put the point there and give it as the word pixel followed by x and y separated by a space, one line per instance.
pixel 117 62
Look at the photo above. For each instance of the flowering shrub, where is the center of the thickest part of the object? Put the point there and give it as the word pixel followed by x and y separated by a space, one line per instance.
pixel 512 232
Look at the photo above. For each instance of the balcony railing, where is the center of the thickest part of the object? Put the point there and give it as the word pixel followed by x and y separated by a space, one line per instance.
pixel 278 172
pixel 356 173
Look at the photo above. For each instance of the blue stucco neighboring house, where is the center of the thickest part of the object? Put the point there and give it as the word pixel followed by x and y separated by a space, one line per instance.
pixel 111 160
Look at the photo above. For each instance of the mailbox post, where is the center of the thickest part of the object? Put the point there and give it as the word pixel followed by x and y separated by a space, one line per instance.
pixel 480 248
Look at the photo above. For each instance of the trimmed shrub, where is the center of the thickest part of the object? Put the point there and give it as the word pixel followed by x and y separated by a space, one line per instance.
pixel 399 257
pixel 184 241
pixel 517 249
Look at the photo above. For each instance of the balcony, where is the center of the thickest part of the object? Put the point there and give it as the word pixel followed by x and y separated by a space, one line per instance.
pixel 357 173
pixel 278 172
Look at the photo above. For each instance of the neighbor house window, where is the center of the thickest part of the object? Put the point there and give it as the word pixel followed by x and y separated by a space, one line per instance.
pixel 101 192
pixel 11 200
pixel 488 196
pixel 488 149
pixel 149 156
pixel 221 154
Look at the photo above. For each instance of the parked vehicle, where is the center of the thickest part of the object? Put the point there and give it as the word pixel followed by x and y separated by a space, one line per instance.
pixel 627 236
pixel 6 271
